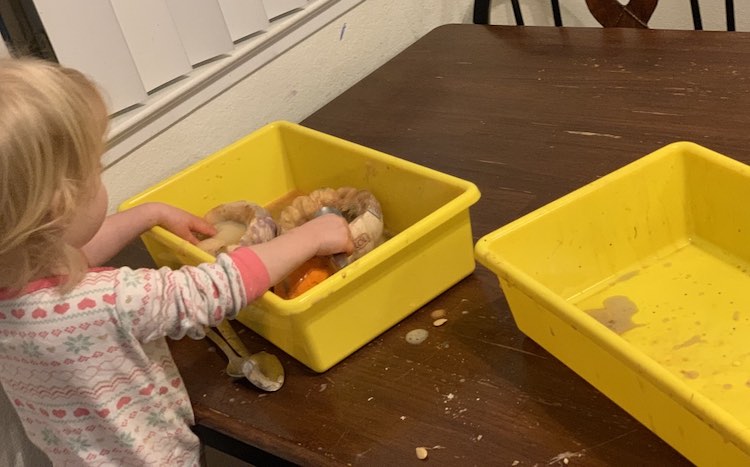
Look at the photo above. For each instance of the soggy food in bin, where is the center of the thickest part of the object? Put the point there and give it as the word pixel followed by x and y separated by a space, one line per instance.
pixel 239 223
pixel 359 207
pixel 311 273
pixel 243 223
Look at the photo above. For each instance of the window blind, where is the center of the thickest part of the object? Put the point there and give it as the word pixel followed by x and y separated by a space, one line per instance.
pixel 244 17
pixel 133 47
pixel 88 37
pixel 154 82
pixel 276 8
pixel 153 40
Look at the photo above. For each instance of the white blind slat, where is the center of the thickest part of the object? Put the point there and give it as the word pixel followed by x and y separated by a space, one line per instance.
pixel 153 40
pixel 86 35
pixel 244 17
pixel 202 28
pixel 276 8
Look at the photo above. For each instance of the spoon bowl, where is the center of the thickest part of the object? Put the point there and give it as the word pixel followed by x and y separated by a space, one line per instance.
pixel 262 369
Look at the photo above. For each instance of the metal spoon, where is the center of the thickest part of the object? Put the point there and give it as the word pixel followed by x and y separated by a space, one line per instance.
pixel 262 369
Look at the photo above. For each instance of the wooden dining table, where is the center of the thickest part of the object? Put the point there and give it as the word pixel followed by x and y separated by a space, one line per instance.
pixel 528 114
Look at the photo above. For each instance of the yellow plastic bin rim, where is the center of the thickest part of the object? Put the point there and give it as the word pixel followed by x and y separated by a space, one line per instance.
pixel 389 248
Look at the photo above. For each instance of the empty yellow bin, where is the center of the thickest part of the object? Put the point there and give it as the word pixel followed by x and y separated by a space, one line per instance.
pixel 426 211
pixel 640 283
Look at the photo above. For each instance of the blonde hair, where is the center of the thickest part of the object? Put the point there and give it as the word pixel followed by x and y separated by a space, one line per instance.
pixel 52 126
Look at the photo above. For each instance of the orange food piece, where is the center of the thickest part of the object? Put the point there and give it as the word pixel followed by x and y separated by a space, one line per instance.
pixel 304 278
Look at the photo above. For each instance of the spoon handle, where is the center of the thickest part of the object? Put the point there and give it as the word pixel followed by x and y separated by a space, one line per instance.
pixel 220 342
pixel 227 332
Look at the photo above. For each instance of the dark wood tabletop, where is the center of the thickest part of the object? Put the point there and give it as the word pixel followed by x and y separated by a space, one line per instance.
pixel 528 114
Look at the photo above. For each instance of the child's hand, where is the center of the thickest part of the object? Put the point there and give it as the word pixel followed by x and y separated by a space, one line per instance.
pixel 121 228
pixel 183 224
pixel 325 235
pixel 331 232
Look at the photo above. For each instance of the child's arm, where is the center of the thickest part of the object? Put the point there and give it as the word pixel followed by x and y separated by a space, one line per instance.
pixel 119 229
pixel 176 303
pixel 264 265
pixel 325 235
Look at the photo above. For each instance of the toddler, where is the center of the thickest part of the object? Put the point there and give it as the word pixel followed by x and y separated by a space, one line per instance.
pixel 83 357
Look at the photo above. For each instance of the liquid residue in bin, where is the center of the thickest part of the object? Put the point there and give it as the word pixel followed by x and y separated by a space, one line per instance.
pixel 617 314
pixel 690 374
pixel 692 341
pixel 627 276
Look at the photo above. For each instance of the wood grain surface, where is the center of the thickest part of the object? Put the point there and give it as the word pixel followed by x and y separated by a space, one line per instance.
pixel 528 114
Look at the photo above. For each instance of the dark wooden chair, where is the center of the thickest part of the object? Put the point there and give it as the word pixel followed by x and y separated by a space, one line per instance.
pixel 609 13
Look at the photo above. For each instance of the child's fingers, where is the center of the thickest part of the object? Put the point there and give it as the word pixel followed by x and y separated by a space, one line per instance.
pixel 203 227
pixel 186 227
pixel 350 245
pixel 190 237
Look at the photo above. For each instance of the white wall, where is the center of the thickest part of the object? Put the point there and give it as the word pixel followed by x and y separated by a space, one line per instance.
pixel 289 88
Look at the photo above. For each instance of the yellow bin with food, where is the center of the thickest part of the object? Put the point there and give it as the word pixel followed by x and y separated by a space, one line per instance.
pixel 426 213
pixel 639 282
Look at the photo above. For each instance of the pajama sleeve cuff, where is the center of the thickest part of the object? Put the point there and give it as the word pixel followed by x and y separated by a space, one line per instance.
pixel 253 272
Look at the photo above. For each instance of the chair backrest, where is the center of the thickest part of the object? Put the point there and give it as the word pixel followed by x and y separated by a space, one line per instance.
pixel 609 13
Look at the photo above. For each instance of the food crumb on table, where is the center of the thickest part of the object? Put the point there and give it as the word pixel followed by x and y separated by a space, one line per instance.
pixel 417 336
pixel 439 313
